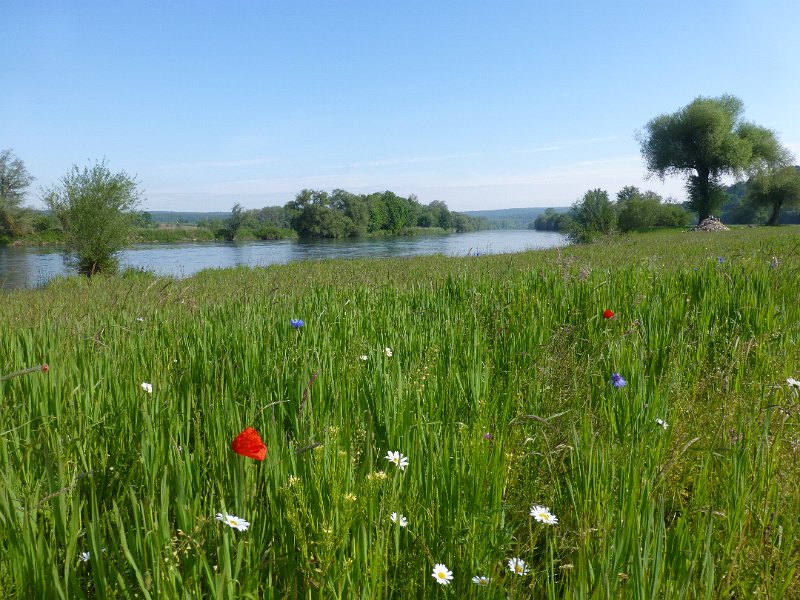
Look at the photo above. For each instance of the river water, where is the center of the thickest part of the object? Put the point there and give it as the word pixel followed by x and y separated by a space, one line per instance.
pixel 32 267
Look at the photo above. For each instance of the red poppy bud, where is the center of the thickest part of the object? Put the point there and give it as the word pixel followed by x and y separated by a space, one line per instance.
pixel 45 368
pixel 607 313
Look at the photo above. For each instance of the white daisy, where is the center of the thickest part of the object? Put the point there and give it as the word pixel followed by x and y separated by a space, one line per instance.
pixel 147 387
pixel 793 383
pixel 399 519
pixel 387 352
pixel 481 580
pixel 363 357
pixel 543 515
pixel 234 522
pixel 84 556
pixel 398 459
pixel 662 422
pixel 442 574
pixel 518 566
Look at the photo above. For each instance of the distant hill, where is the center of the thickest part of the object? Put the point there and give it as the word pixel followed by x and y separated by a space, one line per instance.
pixel 511 218
pixel 167 216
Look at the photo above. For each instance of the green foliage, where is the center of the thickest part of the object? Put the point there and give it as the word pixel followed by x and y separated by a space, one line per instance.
pixel 14 181
pixel 95 208
pixel 315 213
pixel 511 345
pixel 644 210
pixel 775 190
pixel 591 217
pixel 549 220
pixel 704 141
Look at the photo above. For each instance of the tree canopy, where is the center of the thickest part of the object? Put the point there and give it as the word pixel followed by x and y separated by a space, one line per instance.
pixel 14 181
pixel 705 141
pixel 95 208
pixel 775 190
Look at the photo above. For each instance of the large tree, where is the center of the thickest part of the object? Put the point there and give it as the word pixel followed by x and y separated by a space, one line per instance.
pixel 776 189
pixel 705 141
pixel 14 181
pixel 96 211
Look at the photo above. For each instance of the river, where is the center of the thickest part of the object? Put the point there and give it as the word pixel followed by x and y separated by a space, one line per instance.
pixel 24 267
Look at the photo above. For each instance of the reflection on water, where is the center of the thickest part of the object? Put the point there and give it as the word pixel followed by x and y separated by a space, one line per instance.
pixel 32 267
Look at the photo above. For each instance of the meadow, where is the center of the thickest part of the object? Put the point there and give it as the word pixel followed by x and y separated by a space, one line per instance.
pixel 657 447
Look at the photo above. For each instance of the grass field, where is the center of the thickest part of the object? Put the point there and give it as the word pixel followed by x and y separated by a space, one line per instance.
pixel 683 483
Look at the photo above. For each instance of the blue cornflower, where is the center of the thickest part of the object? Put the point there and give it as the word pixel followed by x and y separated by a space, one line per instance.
pixel 618 380
pixel 297 323
pixel 720 259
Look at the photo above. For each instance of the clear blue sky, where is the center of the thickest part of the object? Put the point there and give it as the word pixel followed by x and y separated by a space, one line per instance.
pixel 480 104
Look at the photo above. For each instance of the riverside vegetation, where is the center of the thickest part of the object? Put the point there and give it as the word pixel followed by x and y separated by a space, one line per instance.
pixel 617 420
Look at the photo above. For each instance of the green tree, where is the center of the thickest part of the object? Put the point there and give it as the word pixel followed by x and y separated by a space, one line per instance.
pixel 234 223
pixel 590 217
pixel 775 190
pixel 14 181
pixel 704 141
pixel 96 210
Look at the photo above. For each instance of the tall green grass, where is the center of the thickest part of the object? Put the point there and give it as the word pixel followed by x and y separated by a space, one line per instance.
pixel 512 346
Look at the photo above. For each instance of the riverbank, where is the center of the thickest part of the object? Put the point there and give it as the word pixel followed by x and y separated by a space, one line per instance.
pixel 638 390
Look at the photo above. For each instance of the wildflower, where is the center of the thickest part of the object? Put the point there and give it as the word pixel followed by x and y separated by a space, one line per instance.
pixel 139 319
pixel 293 481
pixel 608 313
pixel 387 352
pixel 793 383
pixel 363 357
pixel 481 580
pixel 248 443
pixel 234 522
pixel 662 422
pixel 720 259
pixel 774 262
pixel 618 380
pixel 297 323
pixel 350 497
pixel 45 368
pixel 147 387
pixel 488 437
pixel 518 566
pixel 399 519
pixel 442 574
pixel 543 515
pixel 398 459
pixel 84 556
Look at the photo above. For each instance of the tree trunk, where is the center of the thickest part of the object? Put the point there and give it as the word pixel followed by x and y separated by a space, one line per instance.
pixel 773 217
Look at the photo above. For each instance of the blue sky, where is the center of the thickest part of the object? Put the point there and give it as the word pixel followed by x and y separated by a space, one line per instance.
pixel 480 104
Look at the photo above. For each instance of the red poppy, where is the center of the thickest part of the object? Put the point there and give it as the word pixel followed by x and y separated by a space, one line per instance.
pixel 607 313
pixel 45 368
pixel 249 444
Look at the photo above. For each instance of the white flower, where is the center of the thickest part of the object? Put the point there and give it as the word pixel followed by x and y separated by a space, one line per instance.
pixel 387 352
pixel 543 515
pixel 481 580
pixel 399 519
pixel 84 556
pixel 442 574
pixel 363 357
pixel 793 383
pixel 147 387
pixel 234 522
pixel 398 459
pixel 139 320
pixel 662 422
pixel 518 566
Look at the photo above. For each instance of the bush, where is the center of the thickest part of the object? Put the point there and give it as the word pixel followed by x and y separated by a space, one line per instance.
pixel 94 207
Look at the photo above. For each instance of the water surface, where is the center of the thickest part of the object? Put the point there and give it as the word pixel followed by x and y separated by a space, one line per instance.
pixel 32 267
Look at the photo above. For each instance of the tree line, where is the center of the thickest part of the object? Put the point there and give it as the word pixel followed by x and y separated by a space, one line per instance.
pixel 703 142
pixel 343 214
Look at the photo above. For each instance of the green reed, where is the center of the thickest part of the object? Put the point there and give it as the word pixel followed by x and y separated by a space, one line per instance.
pixel 512 346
